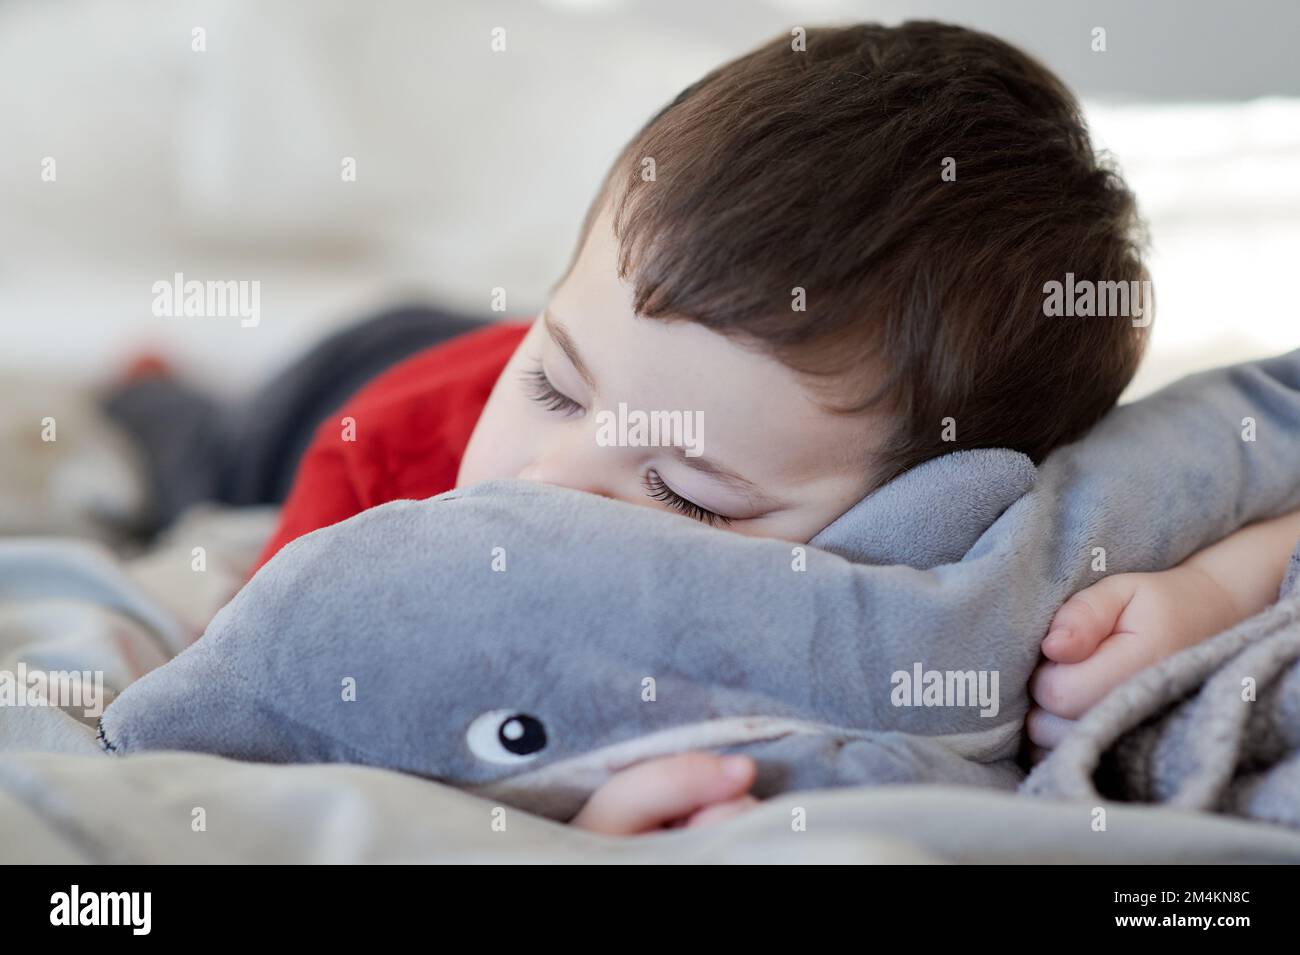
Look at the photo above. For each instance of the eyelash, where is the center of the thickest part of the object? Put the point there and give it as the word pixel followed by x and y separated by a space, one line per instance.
pixel 539 388
pixel 654 486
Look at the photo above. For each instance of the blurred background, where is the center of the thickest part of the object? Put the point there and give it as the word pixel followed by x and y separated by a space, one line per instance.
pixel 474 168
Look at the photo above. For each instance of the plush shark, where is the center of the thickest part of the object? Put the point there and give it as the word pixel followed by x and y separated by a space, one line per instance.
pixel 489 638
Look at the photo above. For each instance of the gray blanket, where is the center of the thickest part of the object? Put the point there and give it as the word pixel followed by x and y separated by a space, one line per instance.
pixel 194 808
pixel 524 642
pixel 78 623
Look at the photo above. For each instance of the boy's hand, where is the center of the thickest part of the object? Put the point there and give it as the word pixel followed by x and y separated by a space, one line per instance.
pixel 1122 624
pixel 691 789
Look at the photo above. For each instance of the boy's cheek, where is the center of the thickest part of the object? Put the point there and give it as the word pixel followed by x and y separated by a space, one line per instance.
pixel 501 445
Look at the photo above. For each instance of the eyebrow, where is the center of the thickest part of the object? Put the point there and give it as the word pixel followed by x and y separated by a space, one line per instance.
pixel 727 476
pixel 560 335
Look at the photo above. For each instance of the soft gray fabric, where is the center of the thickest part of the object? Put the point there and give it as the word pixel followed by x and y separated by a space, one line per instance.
pixel 403 600
pixel 69 611
pixel 73 607
pixel 1216 727
pixel 194 808
pixel 170 807
pixel 746 652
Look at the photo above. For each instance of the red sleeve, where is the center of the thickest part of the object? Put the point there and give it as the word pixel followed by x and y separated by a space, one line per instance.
pixel 321 494
pixel 407 432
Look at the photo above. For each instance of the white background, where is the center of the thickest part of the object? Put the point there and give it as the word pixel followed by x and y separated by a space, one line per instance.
pixel 474 168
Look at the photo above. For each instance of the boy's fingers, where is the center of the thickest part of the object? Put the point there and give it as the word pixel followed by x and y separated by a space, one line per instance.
pixel 655 793
pixel 1086 619
pixel 1046 730
pixel 712 815
pixel 1070 690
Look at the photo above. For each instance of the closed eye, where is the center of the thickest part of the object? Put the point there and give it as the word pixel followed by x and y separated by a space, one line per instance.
pixel 657 489
pixel 538 388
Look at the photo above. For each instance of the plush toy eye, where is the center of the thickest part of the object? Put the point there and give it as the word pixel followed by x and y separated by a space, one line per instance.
pixel 505 736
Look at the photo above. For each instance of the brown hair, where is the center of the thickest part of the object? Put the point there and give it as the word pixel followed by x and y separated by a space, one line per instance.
pixel 822 170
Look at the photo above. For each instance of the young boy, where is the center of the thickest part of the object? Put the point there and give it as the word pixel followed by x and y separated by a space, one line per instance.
pixel 834 257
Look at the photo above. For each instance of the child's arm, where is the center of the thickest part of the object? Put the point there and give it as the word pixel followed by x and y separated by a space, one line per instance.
pixel 322 494
pixel 1103 635
pixel 1251 564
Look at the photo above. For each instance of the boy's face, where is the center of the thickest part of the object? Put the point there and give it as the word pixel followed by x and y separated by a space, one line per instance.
pixel 755 453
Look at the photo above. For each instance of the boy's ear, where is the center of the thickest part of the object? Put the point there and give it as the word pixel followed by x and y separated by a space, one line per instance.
pixel 932 514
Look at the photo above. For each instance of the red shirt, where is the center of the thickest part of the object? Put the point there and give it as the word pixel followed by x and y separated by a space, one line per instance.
pixel 412 424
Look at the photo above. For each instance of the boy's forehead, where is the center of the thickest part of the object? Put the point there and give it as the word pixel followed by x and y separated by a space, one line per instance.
pixel 593 281
pixel 594 307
